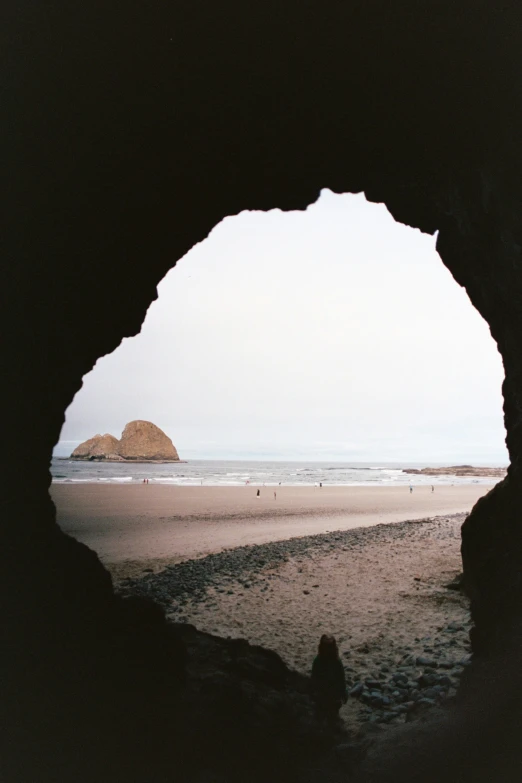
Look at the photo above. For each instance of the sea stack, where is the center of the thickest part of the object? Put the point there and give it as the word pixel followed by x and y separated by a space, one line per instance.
pixel 101 447
pixel 141 441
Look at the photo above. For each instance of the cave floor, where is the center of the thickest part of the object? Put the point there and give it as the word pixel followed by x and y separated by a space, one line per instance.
pixel 381 591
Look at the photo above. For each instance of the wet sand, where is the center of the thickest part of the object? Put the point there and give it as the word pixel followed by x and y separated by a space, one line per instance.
pixel 137 526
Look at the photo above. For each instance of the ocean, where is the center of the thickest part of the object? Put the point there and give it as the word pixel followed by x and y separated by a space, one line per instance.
pixel 231 473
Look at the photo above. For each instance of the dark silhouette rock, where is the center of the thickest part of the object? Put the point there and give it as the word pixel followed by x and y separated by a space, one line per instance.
pixel 126 139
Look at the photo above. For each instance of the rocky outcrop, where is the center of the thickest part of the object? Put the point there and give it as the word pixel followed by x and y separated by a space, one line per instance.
pixel 141 441
pixel 102 446
pixel 459 470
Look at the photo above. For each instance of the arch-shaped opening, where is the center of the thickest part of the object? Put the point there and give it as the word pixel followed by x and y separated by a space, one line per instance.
pixel 112 129
pixel 399 360
pixel 274 310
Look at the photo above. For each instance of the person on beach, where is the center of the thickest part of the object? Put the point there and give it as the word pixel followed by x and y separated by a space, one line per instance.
pixel 258 493
pixel 411 489
pixel 432 488
pixel 275 495
pixel 328 680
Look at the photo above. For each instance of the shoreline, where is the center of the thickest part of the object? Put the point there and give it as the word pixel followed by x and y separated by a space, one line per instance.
pixel 129 525
pixel 124 460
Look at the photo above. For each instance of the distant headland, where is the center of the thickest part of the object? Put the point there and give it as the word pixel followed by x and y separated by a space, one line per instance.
pixel 459 470
pixel 141 441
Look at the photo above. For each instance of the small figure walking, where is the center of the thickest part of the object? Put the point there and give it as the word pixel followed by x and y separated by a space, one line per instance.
pixel 275 495
pixel 328 680
pixel 258 493
pixel 432 488
pixel 411 489
pixel 320 483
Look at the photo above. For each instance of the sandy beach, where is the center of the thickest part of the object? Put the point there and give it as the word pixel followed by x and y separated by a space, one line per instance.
pixel 137 526
pixel 370 565
pixel 382 590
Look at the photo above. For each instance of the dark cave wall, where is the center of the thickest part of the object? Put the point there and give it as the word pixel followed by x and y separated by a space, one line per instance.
pixel 129 133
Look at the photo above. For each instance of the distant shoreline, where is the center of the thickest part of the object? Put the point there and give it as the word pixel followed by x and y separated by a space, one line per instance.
pixel 458 470
pixel 127 460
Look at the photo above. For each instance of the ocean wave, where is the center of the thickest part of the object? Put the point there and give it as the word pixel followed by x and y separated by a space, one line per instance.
pixel 235 473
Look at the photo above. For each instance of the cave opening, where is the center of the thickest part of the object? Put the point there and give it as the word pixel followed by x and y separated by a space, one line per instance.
pixel 337 327
pixel 126 140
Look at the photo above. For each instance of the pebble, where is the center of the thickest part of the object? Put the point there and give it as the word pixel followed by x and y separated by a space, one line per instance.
pixel 453 627
pixel 422 661
pixel 389 690
pixel 400 677
pixel 445 681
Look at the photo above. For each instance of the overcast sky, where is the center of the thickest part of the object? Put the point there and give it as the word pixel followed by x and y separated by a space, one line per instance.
pixel 334 333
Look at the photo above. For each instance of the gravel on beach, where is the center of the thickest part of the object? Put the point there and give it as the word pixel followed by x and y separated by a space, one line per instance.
pixel 383 591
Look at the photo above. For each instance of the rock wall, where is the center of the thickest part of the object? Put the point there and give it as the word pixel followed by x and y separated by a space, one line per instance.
pixel 125 140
